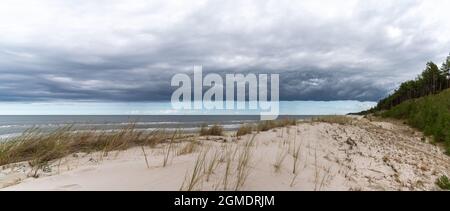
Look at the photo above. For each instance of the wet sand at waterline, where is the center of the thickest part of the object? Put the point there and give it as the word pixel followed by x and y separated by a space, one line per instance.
pixel 361 155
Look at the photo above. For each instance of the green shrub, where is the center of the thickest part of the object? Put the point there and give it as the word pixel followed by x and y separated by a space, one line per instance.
pixel 443 182
pixel 430 114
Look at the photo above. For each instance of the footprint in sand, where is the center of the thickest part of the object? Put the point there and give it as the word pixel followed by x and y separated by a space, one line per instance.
pixel 87 169
pixel 69 187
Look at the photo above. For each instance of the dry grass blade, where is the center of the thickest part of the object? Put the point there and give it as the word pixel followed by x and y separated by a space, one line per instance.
pixel 316 171
pixel 243 168
pixel 211 165
pixel 227 173
pixel 293 180
pixel 228 158
pixel 325 177
pixel 145 156
pixel 195 177
pixel 281 156
pixel 296 157
pixel 168 149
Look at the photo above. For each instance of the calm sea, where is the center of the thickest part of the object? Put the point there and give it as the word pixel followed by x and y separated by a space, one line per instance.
pixel 11 126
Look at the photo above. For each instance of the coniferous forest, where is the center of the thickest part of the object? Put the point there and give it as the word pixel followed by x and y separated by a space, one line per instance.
pixel 432 80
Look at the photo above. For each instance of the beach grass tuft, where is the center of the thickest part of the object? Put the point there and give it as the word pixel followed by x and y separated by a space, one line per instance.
pixel 271 124
pixel 168 148
pixel 193 179
pixel 215 130
pixel 244 130
pixel 188 148
pixel 335 119
pixel 39 148
pixel 243 163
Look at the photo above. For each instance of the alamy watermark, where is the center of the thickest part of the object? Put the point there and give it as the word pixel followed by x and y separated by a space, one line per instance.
pixel 235 87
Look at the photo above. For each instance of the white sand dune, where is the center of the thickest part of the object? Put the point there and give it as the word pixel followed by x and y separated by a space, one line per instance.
pixel 361 156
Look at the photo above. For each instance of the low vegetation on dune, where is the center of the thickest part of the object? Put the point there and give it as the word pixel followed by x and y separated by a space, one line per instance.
pixel 221 165
pixel 244 130
pixel 264 126
pixel 334 119
pixel 42 148
pixel 234 161
pixel 39 147
pixel 443 182
pixel 271 124
pixel 430 114
pixel 215 130
pixel 424 103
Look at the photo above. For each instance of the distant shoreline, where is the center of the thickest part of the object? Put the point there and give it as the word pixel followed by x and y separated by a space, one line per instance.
pixel 14 125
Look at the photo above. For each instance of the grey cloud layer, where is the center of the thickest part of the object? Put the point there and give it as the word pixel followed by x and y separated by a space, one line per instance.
pixel 128 51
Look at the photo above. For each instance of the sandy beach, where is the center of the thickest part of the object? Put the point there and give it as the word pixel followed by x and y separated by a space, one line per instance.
pixel 360 155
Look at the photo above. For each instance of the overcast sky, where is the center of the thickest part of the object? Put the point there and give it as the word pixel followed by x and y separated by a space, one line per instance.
pixel 111 50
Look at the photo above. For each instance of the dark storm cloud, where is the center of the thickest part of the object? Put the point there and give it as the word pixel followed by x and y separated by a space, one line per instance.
pixel 128 51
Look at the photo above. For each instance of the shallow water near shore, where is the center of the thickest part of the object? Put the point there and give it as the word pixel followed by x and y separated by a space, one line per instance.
pixel 11 126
